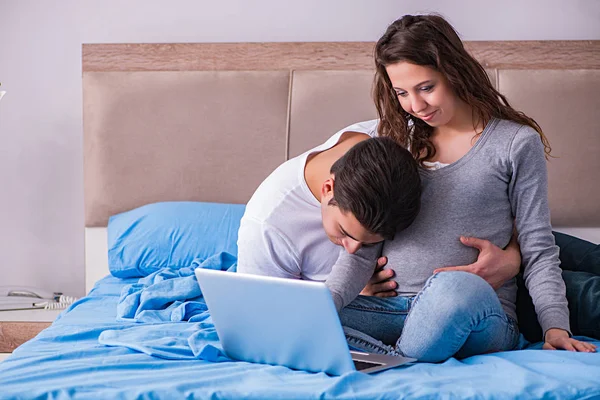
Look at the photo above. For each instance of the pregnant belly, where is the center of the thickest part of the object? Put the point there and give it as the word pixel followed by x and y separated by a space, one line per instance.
pixel 413 266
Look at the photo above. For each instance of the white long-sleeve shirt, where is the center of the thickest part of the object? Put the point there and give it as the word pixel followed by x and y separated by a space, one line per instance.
pixel 281 233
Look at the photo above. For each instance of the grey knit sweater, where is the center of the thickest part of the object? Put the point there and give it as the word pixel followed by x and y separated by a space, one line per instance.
pixel 501 179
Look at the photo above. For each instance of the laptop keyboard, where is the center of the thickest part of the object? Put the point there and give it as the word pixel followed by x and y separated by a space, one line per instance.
pixel 360 365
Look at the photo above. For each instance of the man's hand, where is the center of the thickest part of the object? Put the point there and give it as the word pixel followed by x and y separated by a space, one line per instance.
pixel 559 339
pixel 493 264
pixel 380 284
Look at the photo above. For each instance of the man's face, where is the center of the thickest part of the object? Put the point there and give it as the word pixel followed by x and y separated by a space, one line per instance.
pixel 343 228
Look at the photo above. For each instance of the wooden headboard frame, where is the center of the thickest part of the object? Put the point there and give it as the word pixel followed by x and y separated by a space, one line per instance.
pixel 571 54
pixel 333 56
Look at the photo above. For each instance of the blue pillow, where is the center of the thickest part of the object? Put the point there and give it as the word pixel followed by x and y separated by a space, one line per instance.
pixel 170 234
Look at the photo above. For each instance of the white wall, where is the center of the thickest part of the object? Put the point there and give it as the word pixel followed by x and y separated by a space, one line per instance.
pixel 41 230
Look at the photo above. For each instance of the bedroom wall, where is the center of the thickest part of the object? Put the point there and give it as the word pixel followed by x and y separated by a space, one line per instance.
pixel 41 230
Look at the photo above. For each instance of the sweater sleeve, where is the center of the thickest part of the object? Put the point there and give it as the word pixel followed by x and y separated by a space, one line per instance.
pixel 351 273
pixel 528 193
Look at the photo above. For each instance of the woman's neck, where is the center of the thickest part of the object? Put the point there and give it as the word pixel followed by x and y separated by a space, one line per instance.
pixel 464 121
pixel 453 140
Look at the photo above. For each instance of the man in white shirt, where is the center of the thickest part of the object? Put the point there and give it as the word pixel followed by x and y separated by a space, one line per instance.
pixel 353 191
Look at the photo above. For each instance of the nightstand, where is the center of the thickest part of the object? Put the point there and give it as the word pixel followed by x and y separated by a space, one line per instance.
pixel 17 327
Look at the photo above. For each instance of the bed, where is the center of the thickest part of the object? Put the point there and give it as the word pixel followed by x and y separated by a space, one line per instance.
pixel 176 139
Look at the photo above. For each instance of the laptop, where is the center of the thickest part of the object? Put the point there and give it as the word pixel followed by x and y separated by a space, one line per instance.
pixel 286 322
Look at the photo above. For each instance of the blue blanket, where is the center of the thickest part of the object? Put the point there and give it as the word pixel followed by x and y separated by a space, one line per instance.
pixel 170 296
pixel 148 352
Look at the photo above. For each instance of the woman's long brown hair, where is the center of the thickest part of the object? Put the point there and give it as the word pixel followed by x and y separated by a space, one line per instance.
pixel 429 40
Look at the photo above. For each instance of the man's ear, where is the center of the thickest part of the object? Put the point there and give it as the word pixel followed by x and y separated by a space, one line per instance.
pixel 327 187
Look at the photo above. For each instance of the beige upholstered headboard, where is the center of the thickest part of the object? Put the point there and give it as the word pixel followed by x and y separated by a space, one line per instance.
pixel 208 122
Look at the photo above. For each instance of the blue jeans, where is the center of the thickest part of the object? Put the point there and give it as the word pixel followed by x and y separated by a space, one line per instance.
pixel 580 262
pixel 455 314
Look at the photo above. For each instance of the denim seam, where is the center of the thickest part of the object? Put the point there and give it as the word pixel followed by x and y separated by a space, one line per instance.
pixel 379 310
pixel 494 314
pixel 510 324
pixel 514 327
pixel 418 297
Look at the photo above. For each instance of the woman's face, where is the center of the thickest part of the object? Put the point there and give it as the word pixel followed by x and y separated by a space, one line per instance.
pixel 424 93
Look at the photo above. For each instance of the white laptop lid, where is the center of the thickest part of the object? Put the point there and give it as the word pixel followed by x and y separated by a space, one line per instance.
pixel 276 321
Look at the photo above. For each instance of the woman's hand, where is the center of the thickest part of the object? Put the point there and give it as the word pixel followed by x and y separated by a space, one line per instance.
pixel 493 264
pixel 559 339
pixel 380 284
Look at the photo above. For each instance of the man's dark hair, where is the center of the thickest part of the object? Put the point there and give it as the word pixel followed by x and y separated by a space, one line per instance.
pixel 378 181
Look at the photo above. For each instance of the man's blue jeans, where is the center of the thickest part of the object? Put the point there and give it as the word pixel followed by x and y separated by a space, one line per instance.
pixel 580 262
pixel 455 314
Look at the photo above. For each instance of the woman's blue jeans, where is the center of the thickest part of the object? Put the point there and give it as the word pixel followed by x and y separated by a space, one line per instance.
pixel 455 314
